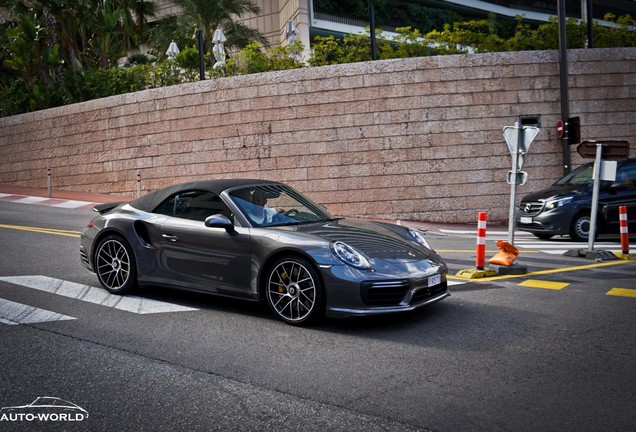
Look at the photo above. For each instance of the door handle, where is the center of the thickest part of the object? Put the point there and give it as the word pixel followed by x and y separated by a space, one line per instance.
pixel 170 237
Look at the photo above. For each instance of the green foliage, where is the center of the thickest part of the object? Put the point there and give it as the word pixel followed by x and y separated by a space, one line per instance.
pixel 56 52
pixel 137 58
pixel 410 43
pixel 99 83
pixel 621 35
pixel 252 59
pixel 326 51
pixel 468 36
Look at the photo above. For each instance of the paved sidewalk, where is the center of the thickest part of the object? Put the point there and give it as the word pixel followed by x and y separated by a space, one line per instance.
pixel 61 199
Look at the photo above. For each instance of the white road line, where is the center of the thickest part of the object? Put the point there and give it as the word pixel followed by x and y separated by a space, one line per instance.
pixel 134 304
pixel 13 313
pixel 72 204
pixel 30 200
pixel 488 232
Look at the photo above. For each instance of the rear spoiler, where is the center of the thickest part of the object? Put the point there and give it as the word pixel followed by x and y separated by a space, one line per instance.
pixel 106 207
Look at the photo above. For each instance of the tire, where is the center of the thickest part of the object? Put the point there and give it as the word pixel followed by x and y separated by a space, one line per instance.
pixel 543 236
pixel 293 291
pixel 580 227
pixel 115 265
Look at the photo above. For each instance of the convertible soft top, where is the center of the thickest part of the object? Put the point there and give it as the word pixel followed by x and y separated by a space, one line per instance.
pixel 151 200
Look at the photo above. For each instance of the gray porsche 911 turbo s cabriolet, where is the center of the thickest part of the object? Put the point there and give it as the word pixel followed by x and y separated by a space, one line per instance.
pixel 262 241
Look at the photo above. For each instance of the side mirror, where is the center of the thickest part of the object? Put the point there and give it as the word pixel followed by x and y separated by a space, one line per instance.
pixel 219 221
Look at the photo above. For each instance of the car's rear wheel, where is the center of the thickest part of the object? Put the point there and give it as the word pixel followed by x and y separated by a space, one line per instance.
pixel 580 227
pixel 294 291
pixel 115 265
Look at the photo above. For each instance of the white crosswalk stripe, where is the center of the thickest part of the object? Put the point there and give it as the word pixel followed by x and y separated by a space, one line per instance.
pixel 526 240
pixel 134 304
pixel 12 313
pixel 559 248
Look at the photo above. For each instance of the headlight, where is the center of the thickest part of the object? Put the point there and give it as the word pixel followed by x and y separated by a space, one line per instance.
pixel 419 238
pixel 349 255
pixel 552 204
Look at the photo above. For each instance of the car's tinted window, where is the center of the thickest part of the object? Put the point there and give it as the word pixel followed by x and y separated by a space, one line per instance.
pixel 194 205
pixel 626 173
pixel 271 205
pixel 580 176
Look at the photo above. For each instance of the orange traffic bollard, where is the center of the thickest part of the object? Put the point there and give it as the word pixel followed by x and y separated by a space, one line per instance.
pixel 481 240
pixel 622 210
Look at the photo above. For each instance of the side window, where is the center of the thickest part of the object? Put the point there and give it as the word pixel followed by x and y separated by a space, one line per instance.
pixel 627 173
pixel 193 205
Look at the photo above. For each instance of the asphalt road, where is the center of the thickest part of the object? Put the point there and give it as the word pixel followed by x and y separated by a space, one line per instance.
pixel 553 350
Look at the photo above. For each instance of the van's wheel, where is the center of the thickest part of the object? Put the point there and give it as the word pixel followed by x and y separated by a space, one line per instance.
pixel 294 291
pixel 580 227
pixel 115 265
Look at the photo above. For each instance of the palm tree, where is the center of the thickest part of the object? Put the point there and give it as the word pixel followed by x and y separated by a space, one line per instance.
pixel 210 15
pixel 135 16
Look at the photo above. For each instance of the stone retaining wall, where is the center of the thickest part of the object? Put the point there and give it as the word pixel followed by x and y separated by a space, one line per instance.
pixel 414 139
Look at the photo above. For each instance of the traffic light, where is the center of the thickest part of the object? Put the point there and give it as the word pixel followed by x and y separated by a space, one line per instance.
pixel 572 130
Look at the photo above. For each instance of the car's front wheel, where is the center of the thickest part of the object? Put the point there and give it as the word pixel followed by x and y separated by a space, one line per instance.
pixel 115 265
pixel 294 291
pixel 580 227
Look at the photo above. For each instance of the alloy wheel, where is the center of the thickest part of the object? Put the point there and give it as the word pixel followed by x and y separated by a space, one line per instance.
pixel 292 291
pixel 113 263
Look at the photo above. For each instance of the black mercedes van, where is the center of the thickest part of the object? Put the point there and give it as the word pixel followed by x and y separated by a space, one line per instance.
pixel 564 208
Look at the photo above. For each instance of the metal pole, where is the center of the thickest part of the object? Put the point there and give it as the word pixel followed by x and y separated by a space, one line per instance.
pixel 513 185
pixel 138 183
pixel 200 45
pixel 590 25
pixel 48 180
pixel 374 50
pixel 595 192
pixel 563 72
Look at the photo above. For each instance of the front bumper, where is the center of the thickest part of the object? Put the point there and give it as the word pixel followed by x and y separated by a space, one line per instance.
pixel 554 222
pixel 352 292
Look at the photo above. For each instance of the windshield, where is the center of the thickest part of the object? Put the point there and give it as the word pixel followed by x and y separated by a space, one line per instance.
pixel 276 205
pixel 580 176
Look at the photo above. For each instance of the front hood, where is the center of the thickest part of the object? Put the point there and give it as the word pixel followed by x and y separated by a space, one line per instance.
pixel 558 191
pixel 376 240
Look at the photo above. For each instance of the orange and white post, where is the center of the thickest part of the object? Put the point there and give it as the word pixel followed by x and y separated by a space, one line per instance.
pixel 480 262
pixel 622 212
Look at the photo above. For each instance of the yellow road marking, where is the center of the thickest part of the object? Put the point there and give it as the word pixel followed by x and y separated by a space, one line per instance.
pixel 622 292
pixel 543 272
pixel 544 284
pixel 59 232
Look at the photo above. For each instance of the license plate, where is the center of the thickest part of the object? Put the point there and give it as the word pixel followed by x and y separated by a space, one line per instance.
pixel 434 280
pixel 525 220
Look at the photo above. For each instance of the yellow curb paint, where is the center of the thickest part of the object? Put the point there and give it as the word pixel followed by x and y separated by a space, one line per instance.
pixel 622 292
pixel 550 271
pixel 544 284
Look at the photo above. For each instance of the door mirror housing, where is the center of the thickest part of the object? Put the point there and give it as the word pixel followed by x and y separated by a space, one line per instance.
pixel 219 221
